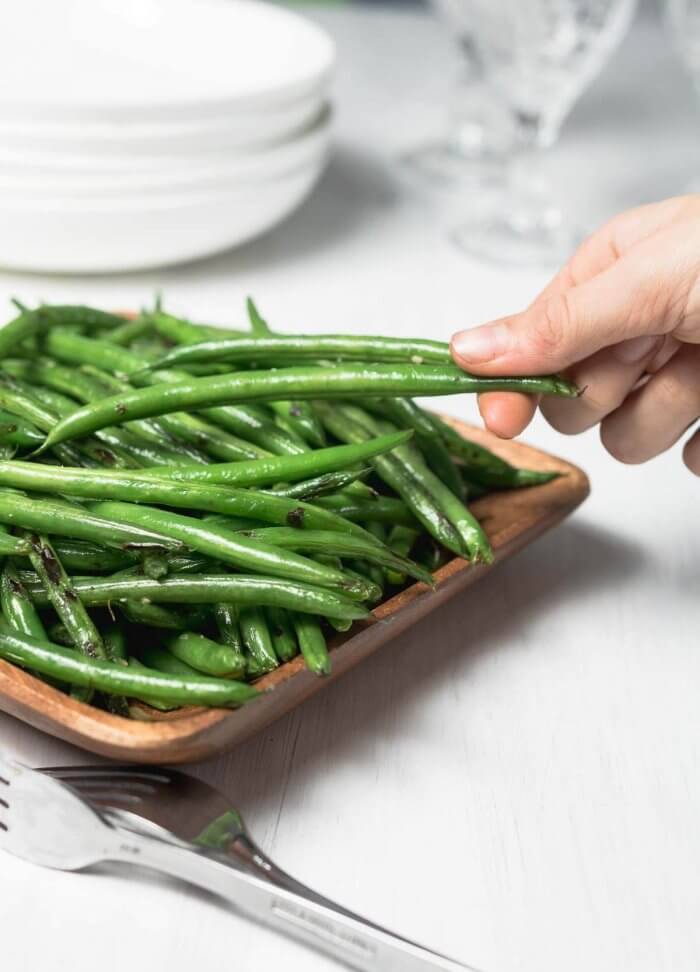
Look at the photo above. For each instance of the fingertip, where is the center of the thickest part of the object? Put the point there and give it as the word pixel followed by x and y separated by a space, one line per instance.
pixel 507 414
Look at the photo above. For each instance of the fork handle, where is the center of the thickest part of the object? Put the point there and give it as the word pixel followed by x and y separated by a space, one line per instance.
pixel 349 940
pixel 243 849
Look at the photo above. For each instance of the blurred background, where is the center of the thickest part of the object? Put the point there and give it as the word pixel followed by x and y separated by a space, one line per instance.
pixel 514 126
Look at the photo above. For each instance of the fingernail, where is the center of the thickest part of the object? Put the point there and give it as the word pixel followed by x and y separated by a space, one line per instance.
pixel 634 350
pixel 480 344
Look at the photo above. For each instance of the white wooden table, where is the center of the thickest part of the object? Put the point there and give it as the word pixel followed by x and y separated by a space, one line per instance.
pixel 517 782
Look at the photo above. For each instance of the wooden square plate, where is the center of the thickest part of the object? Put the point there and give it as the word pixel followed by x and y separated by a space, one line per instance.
pixel 512 519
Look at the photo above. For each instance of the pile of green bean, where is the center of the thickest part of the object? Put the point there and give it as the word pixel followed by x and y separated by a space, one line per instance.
pixel 184 508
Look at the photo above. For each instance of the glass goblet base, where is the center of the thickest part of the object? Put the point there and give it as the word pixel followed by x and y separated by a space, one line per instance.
pixel 443 164
pixel 518 232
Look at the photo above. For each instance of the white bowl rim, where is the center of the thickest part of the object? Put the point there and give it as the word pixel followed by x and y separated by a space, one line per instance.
pixel 268 162
pixel 248 54
pixel 143 203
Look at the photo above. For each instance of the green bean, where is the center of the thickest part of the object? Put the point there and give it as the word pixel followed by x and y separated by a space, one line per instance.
pixel 383 509
pixel 484 467
pixel 340 545
pixel 239 419
pixel 68 666
pixel 371 572
pixel 257 641
pixel 58 633
pixel 338 625
pixel 190 429
pixel 298 416
pixel 180 331
pixel 282 633
pixel 137 666
pixel 308 383
pixel 62 597
pixel 328 483
pixel 31 407
pixel 114 638
pixel 229 547
pixel 137 487
pixel 155 432
pixel 217 442
pixel 82 557
pixel 17 431
pixel 312 644
pixel 12 546
pixel 236 523
pixel 17 608
pixel 206 656
pixel 241 589
pixel 57 518
pixel 78 314
pixel 404 413
pixel 440 511
pixel 401 541
pixel 159 659
pixel 284 469
pixel 95 384
pixel 154 565
pixel 190 564
pixel 262 348
pixel 349 424
pixel 226 618
pixel 125 333
pixel 475 541
pixel 26 325
pixel 258 325
pixel 145 441
pixel 157 616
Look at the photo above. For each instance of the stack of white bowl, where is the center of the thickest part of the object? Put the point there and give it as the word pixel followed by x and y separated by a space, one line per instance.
pixel 139 133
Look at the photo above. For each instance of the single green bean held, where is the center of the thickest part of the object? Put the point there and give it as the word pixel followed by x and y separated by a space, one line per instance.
pixel 284 383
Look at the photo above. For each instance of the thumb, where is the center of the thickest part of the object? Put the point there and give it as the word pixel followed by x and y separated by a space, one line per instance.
pixel 631 299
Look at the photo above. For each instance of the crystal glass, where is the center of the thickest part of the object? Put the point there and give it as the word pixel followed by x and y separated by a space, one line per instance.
pixel 480 127
pixel 538 56
pixel 683 18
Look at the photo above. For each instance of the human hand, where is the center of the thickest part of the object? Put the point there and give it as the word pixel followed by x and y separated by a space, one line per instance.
pixel 622 321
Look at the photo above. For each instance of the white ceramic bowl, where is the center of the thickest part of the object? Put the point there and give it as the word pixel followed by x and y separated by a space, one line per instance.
pixel 173 175
pixel 71 144
pixel 136 234
pixel 142 60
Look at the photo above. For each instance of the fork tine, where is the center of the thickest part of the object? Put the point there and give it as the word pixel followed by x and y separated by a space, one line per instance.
pixel 4 782
pixel 96 772
pixel 107 783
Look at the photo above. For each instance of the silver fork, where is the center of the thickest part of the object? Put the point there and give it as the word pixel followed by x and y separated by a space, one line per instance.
pixel 189 808
pixel 46 822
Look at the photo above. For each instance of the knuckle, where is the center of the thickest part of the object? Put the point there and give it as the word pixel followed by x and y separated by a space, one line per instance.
pixel 601 401
pixel 552 325
pixel 674 395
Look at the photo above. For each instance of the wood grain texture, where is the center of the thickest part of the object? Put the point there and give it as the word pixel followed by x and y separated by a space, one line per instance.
pixel 512 519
